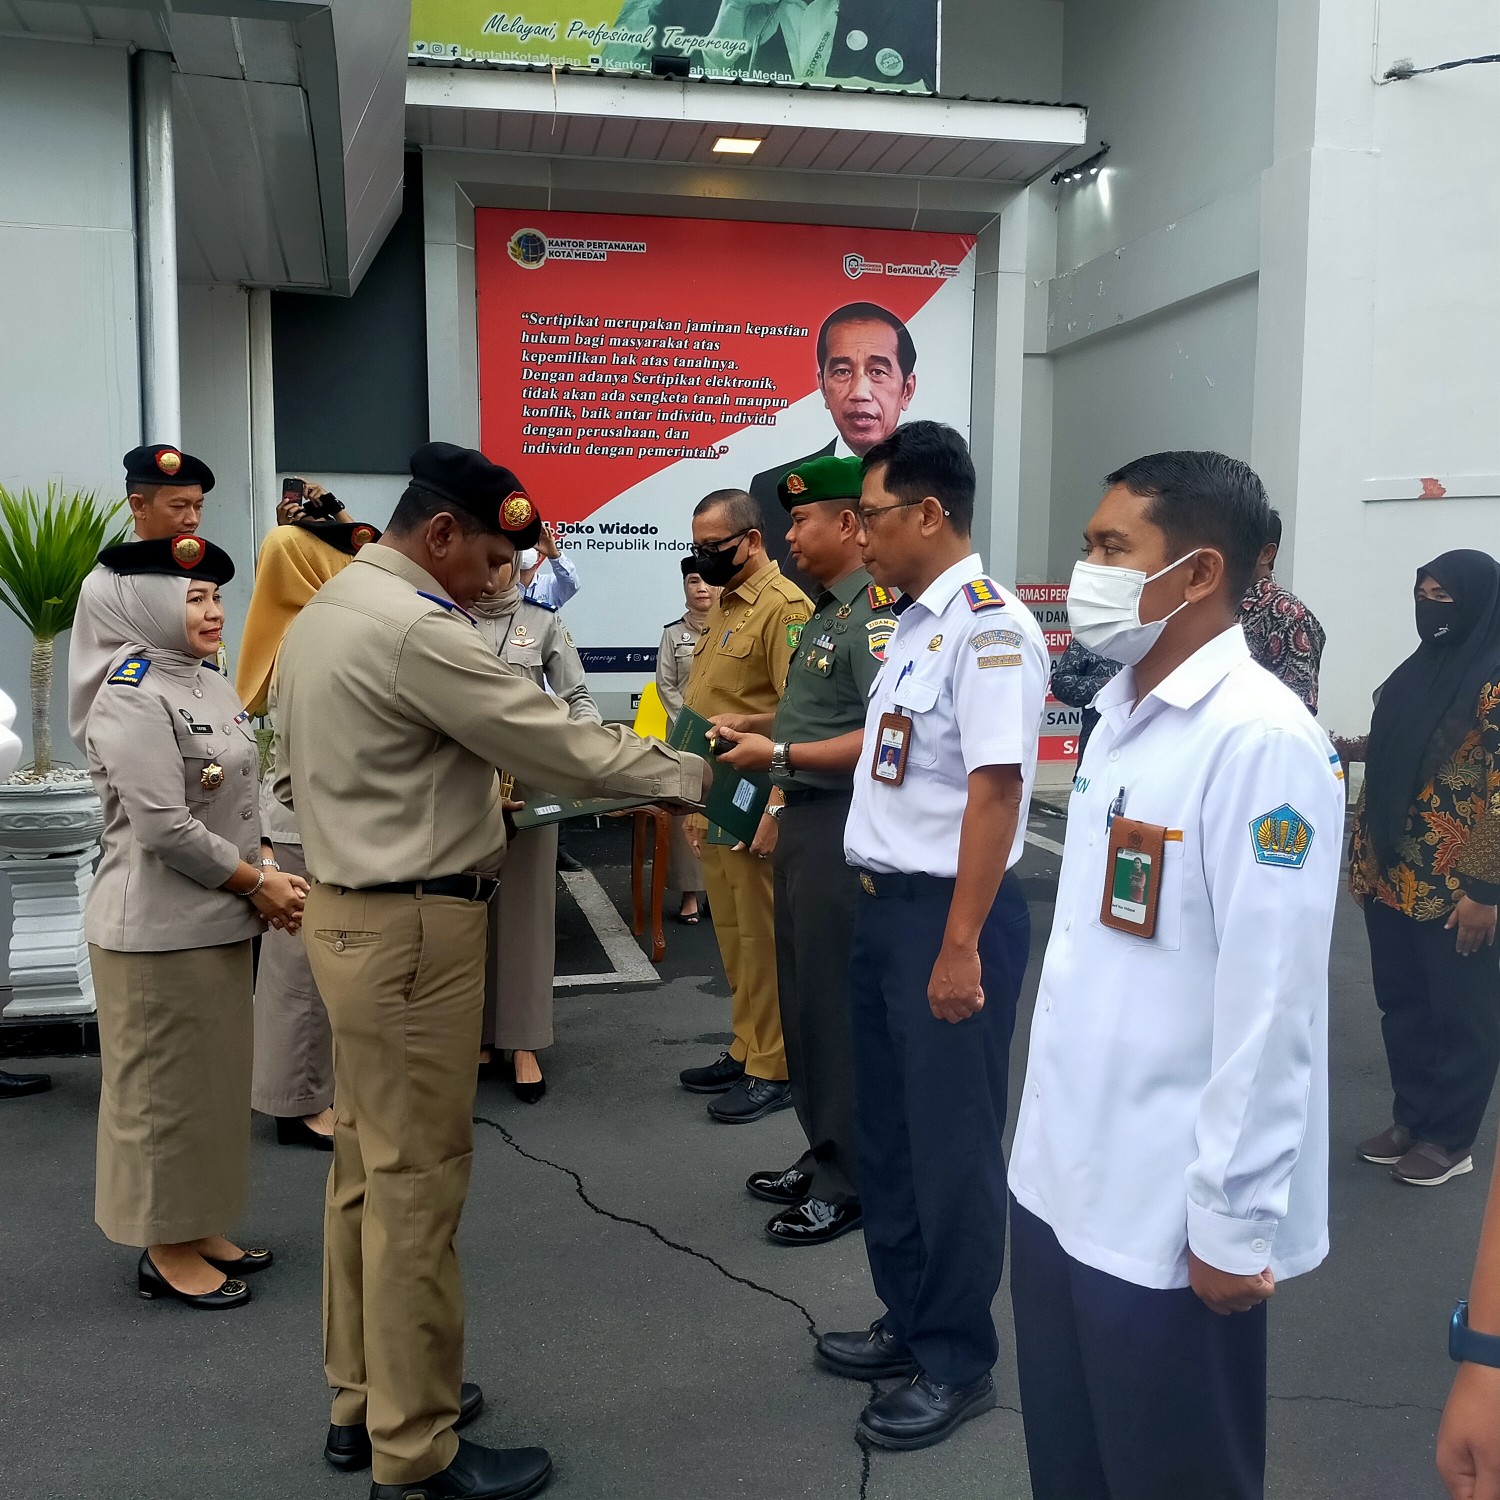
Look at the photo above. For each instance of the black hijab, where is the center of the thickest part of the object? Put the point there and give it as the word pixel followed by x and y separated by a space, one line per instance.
pixel 1430 702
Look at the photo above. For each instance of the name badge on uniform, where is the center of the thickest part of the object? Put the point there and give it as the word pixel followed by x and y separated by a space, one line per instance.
pixel 1132 876
pixel 892 745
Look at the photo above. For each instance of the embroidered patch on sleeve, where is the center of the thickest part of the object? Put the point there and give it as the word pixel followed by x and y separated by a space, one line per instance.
pixel 995 638
pixel 794 633
pixel 1281 837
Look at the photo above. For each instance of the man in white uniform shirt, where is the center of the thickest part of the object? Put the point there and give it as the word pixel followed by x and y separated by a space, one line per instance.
pixel 941 938
pixel 1170 1164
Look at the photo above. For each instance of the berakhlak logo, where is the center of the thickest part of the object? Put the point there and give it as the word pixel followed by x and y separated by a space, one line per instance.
pixel 528 248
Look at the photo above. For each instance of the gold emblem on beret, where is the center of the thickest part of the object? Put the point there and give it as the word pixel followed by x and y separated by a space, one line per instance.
pixel 187 551
pixel 515 511
pixel 796 484
pixel 362 536
pixel 169 460
pixel 213 775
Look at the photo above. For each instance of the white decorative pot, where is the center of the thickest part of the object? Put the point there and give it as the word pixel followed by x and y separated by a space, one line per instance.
pixel 49 836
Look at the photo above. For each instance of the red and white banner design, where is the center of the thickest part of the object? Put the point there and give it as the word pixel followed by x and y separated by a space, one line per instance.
pixel 1061 725
pixel 628 366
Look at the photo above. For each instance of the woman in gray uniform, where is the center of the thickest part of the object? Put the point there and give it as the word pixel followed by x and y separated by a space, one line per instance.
pixel 674 660
pixel 178 896
pixel 531 639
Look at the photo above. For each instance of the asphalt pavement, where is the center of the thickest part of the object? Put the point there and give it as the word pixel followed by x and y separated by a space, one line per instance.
pixel 624 1308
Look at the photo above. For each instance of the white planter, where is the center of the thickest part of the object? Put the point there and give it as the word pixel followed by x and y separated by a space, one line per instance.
pixel 49 837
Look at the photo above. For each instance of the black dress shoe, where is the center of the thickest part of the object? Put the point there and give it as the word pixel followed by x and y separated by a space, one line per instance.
pixel 713 1079
pixel 752 1099
pixel 814 1222
pixel 871 1353
pixel 477 1474
pixel 251 1260
pixel 922 1413
pixel 14 1085
pixel 294 1131
pixel 568 862
pixel 150 1283
pixel 348 1445
pixel 529 1093
pixel 787 1188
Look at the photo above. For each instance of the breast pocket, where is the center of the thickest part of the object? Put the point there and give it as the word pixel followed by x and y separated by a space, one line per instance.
pixel 1175 871
pixel 736 668
pixel 205 766
pixel 525 659
pixel 918 700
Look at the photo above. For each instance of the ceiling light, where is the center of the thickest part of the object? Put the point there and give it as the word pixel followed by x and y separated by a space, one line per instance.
pixel 738 145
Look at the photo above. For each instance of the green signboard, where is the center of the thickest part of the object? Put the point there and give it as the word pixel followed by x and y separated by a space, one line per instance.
pixel 879 44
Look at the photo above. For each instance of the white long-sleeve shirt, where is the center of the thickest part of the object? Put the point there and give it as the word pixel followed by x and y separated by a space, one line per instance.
pixel 1176 1090
pixel 555 583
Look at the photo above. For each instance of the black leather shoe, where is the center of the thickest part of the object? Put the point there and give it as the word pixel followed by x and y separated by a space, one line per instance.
pixel 477 1474
pixel 150 1283
pixel 871 1353
pixel 922 1413
pixel 814 1222
pixel 297 1132
pixel 752 1099
pixel 15 1085
pixel 529 1093
pixel 251 1260
pixel 713 1079
pixel 568 862
pixel 787 1188
pixel 348 1445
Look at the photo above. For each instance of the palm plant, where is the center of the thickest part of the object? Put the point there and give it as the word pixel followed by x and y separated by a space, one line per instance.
pixel 47 548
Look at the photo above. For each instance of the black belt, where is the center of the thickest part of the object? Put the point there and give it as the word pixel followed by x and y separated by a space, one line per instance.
pixel 466 887
pixel 904 887
pixel 793 795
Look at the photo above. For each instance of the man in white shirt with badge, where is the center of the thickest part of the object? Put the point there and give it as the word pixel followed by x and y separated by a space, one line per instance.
pixel 1171 1159
pixel 941 938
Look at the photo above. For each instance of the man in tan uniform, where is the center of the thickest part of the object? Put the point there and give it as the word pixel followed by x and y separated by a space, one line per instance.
pixel 739 667
pixel 394 713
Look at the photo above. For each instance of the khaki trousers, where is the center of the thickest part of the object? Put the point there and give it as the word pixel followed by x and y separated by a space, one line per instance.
pixel 740 891
pixel 403 980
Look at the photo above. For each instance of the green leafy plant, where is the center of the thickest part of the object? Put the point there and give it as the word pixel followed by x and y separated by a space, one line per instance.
pixel 47 548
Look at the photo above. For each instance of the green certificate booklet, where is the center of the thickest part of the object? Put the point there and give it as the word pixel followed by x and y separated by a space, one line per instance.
pixel 543 807
pixel 737 799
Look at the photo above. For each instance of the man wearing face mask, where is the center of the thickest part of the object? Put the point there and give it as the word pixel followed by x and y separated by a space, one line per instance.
pixel 740 666
pixel 548 577
pixel 1171 1160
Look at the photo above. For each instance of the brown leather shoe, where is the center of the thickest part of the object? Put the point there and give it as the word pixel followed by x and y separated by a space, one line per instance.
pixel 1426 1165
pixel 1387 1148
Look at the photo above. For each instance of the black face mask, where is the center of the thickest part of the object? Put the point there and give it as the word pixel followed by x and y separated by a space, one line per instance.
pixel 1437 621
pixel 716 565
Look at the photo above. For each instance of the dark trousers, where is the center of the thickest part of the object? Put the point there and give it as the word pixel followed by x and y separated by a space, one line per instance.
pixel 816 898
pixel 1440 1017
pixel 1129 1392
pixel 929 1109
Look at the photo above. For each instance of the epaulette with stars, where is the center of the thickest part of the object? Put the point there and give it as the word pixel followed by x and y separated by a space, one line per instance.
pixel 880 598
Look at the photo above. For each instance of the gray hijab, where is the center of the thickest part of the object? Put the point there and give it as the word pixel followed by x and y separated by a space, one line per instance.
pixel 135 614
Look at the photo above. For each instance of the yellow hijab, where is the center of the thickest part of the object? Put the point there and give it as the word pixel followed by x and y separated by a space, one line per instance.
pixel 294 564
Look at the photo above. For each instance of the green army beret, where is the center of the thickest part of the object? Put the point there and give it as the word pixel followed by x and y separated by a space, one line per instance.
pixel 821 479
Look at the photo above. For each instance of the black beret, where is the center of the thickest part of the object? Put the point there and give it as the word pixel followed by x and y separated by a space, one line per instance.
pixel 825 478
pixel 161 463
pixel 347 536
pixel 185 556
pixel 487 491
pixel 690 564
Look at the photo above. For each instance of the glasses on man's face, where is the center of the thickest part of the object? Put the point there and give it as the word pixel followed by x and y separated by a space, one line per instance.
pixel 707 549
pixel 865 515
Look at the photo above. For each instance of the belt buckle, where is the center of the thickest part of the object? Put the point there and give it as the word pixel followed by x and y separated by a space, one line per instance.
pixel 867 883
pixel 478 888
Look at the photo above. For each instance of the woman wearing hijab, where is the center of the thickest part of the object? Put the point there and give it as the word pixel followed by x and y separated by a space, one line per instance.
pixel 674 660
pixel 531 639
pixel 177 898
pixel 293 1078
pixel 1425 866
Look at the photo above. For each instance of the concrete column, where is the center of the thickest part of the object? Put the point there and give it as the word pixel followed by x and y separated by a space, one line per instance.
pixel 264 488
pixel 156 248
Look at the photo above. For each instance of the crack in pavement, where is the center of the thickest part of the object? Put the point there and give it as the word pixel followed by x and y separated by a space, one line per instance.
pixel 677 1245
pixel 1363 1405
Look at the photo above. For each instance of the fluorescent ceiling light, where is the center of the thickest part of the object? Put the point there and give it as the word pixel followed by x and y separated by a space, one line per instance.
pixel 738 145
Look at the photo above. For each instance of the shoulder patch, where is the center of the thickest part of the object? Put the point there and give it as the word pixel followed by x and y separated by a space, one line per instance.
pixel 983 594
pixel 879 633
pixel 995 638
pixel 794 633
pixel 879 598
pixel 1281 837
pixel 132 670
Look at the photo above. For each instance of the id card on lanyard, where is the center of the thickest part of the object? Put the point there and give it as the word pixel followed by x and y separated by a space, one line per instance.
pixel 893 741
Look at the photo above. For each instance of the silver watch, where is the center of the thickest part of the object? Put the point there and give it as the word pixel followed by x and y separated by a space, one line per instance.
pixel 775 810
pixel 781 758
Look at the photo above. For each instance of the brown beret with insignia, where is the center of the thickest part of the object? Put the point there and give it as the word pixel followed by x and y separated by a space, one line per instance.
pixel 347 536
pixel 485 490
pixel 161 463
pixel 185 556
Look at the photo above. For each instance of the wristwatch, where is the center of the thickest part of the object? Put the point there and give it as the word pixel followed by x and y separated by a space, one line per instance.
pixel 775 810
pixel 1467 1347
pixel 781 758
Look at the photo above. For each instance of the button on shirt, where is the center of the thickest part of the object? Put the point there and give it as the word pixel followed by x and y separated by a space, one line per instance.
pixel 973 682
pixel 1176 1089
